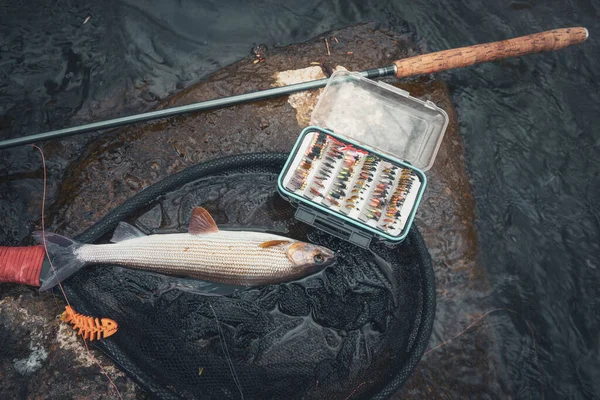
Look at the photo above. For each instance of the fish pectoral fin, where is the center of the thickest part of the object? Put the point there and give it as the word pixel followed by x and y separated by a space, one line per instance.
pixel 272 243
pixel 201 222
pixel 125 231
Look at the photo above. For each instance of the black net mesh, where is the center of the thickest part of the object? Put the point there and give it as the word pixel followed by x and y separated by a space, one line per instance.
pixel 356 329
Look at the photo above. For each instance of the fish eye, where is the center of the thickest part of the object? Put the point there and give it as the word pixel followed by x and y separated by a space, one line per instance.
pixel 318 258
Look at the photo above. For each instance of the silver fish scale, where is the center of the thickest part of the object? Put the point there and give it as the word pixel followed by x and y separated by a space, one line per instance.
pixel 225 256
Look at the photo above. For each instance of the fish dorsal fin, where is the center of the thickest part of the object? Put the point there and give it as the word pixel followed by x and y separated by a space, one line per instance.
pixel 201 222
pixel 124 231
pixel 272 243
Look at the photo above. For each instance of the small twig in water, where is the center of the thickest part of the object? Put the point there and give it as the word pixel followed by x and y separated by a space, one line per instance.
pixel 327 44
pixel 85 21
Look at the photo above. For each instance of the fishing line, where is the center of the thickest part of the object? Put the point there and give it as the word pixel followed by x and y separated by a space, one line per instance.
pixel 226 352
pixel 102 369
pixel 54 270
pixel 467 328
pixel 535 353
pixel 444 343
pixel 480 319
pixel 43 225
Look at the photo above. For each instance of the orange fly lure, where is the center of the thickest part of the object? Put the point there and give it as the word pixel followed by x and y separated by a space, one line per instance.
pixel 89 327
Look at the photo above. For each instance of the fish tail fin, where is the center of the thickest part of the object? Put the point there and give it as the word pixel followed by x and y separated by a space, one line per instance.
pixel 62 254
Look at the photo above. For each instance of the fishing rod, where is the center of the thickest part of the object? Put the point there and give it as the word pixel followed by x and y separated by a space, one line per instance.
pixel 418 65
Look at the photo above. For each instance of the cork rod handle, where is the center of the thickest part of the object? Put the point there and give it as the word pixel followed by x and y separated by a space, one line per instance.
pixel 465 56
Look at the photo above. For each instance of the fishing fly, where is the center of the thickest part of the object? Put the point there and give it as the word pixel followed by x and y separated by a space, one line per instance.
pixel 354 182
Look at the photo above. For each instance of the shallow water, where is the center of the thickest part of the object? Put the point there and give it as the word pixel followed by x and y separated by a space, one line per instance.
pixel 528 127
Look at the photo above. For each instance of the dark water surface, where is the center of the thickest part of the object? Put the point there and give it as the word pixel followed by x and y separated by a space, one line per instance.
pixel 529 127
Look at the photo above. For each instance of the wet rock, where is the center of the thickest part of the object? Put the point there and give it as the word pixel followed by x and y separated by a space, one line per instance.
pixel 42 357
pixel 118 164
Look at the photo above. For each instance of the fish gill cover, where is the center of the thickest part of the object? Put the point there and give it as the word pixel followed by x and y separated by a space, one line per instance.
pixel 357 328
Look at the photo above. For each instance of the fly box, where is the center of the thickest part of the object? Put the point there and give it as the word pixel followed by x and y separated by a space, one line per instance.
pixel 358 171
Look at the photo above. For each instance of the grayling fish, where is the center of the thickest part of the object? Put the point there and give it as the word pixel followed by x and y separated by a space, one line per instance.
pixel 205 252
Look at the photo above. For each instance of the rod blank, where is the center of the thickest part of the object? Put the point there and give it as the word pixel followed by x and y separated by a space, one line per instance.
pixel 195 107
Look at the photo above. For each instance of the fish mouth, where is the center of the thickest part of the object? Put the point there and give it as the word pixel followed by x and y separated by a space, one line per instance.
pixel 330 257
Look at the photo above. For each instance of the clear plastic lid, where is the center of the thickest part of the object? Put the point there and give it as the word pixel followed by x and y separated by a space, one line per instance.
pixel 383 117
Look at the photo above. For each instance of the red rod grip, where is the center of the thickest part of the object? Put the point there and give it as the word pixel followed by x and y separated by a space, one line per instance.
pixel 21 264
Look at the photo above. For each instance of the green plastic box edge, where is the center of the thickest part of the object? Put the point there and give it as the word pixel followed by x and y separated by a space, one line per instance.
pixel 376 233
